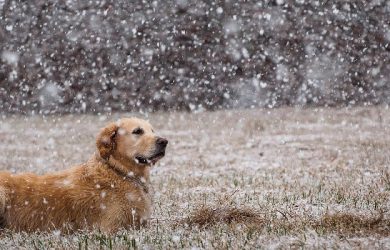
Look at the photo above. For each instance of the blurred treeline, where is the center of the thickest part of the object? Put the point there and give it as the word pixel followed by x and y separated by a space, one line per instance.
pixel 60 56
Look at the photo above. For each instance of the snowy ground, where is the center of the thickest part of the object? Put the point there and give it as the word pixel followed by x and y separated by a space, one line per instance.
pixel 296 167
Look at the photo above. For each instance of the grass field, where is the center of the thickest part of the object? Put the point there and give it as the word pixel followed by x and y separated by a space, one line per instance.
pixel 313 178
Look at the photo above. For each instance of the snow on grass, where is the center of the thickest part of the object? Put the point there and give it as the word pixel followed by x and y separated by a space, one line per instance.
pixel 316 178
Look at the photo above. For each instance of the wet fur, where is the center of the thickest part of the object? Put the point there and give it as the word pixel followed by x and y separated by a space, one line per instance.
pixel 88 196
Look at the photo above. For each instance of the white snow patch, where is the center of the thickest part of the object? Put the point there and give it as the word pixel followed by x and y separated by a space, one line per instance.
pixel 64 183
pixel 12 58
pixel 50 94
pixel 57 232
pixel 231 27
pixel 121 131
pixel 175 238
pixel 131 197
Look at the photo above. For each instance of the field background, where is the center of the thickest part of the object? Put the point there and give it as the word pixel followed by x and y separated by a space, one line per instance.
pixel 318 178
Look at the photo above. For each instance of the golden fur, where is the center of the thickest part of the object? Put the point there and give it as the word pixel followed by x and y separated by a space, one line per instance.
pixel 108 192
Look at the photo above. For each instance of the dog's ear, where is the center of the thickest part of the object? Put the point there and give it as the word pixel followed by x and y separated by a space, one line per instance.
pixel 106 140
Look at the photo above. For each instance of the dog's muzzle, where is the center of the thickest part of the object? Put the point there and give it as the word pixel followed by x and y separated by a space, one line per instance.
pixel 161 144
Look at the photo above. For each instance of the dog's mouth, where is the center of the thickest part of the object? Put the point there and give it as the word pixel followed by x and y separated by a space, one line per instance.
pixel 149 160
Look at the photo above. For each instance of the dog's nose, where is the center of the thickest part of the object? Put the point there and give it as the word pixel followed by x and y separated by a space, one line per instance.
pixel 162 142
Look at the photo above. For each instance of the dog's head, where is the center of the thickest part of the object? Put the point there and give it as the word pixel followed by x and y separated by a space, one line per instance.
pixel 131 139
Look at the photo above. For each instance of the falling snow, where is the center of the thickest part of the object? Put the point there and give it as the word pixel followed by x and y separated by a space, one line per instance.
pixel 97 56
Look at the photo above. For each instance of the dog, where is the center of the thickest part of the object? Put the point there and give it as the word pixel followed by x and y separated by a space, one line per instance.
pixel 109 192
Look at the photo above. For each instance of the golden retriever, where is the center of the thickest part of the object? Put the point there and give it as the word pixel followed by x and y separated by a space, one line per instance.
pixel 108 192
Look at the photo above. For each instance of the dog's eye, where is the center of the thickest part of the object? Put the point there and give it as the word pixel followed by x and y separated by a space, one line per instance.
pixel 138 131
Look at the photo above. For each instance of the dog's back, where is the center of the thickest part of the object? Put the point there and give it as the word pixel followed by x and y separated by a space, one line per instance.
pixel 79 198
pixel 30 202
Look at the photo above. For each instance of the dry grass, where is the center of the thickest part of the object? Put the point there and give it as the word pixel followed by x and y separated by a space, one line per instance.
pixel 352 224
pixel 206 217
pixel 342 223
pixel 285 178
